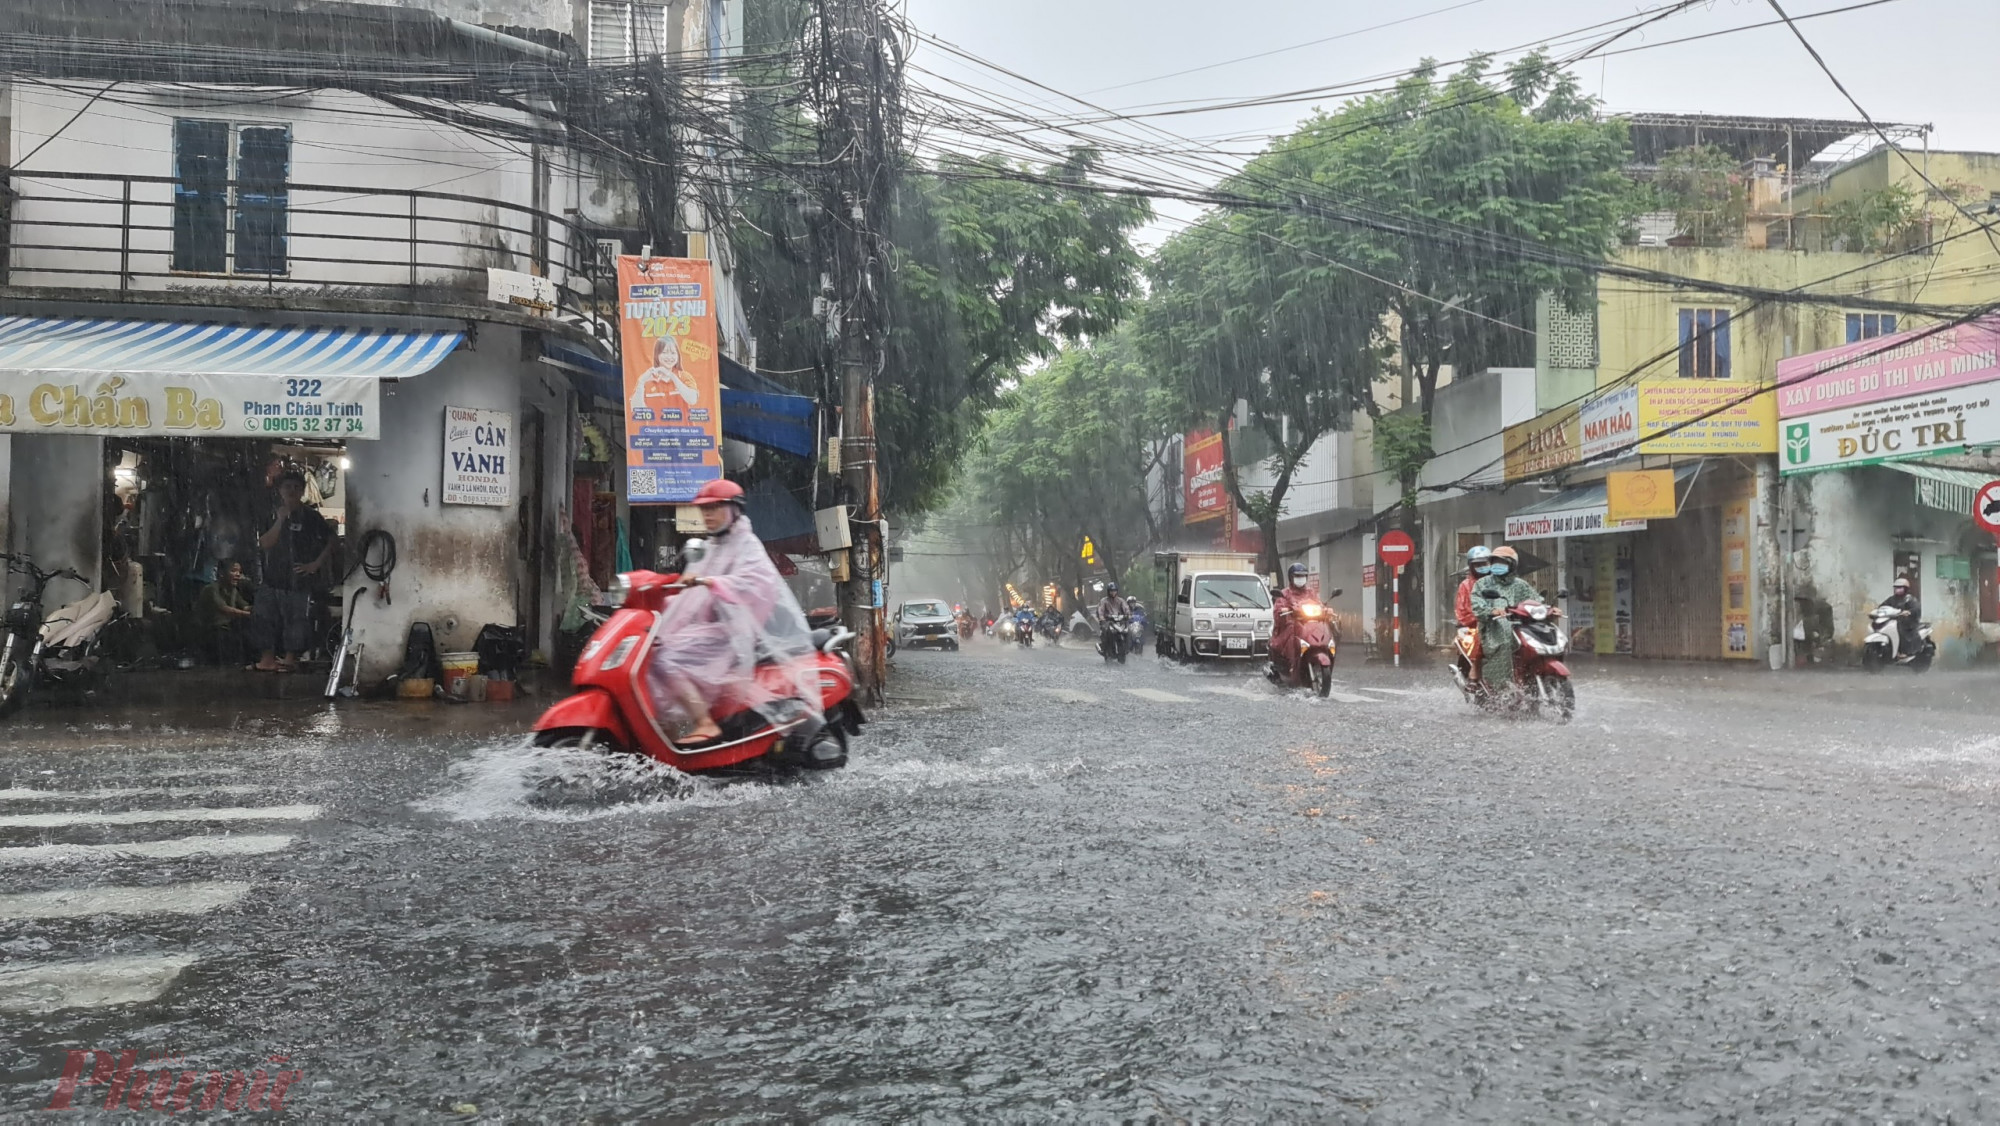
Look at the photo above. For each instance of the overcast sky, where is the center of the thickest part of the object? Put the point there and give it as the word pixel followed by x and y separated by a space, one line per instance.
pixel 1914 61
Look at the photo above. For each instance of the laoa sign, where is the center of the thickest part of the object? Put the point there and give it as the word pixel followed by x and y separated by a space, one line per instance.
pixel 478 456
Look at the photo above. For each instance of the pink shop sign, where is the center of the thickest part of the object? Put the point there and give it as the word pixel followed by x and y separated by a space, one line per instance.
pixel 1902 365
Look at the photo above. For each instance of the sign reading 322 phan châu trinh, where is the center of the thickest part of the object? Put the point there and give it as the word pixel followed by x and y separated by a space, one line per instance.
pixel 189 405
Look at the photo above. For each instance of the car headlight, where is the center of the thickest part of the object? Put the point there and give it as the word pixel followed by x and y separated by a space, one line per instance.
pixel 1204 625
pixel 620 589
pixel 1264 629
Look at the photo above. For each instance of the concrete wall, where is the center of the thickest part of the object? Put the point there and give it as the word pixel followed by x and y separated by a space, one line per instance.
pixel 459 567
pixel 338 138
pixel 1851 523
pixel 1466 427
pixel 54 493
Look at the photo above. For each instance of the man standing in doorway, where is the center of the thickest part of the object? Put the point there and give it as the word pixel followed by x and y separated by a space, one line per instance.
pixel 296 547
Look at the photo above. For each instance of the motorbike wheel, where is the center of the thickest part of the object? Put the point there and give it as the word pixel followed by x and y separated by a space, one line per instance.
pixel 1922 663
pixel 1871 659
pixel 1559 694
pixel 828 750
pixel 14 676
pixel 1322 680
pixel 575 739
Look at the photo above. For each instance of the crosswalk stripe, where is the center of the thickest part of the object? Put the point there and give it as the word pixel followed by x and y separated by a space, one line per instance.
pixel 1350 698
pixel 1241 693
pixel 1390 691
pixel 171 899
pixel 146 816
pixel 176 849
pixel 22 793
pixel 75 985
pixel 1072 696
pixel 1158 696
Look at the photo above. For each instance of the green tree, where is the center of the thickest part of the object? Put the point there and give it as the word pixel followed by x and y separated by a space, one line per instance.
pixel 1067 455
pixel 994 266
pixel 1465 196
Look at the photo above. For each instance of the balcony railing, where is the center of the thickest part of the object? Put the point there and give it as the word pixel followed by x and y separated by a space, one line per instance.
pixel 91 230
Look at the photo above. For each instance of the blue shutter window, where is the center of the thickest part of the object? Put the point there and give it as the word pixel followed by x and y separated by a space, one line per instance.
pixel 263 169
pixel 201 196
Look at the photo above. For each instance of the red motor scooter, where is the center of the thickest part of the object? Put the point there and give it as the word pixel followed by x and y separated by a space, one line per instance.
pixel 1308 658
pixel 612 708
pixel 1540 644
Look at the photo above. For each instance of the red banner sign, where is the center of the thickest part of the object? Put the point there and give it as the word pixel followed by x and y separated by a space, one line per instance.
pixel 1204 495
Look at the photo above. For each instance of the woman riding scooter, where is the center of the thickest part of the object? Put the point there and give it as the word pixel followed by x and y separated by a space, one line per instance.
pixel 736 614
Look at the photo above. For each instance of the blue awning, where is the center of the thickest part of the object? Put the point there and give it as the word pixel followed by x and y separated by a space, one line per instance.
pixel 126 347
pixel 763 412
pixel 755 408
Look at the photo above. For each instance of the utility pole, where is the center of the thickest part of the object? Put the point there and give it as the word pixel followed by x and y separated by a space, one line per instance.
pixel 856 88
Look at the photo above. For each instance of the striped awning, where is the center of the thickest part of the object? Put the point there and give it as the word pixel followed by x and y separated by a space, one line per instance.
pixel 81 345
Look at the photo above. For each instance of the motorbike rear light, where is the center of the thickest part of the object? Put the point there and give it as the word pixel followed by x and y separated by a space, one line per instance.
pixel 619 652
pixel 620 589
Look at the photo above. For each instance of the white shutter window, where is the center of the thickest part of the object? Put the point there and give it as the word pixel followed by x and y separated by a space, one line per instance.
pixel 649 29
pixel 610 29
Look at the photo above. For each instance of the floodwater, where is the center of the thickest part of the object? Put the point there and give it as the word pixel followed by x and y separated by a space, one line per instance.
pixel 1045 889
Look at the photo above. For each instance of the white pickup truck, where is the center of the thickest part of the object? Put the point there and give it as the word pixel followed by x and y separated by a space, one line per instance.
pixel 1218 607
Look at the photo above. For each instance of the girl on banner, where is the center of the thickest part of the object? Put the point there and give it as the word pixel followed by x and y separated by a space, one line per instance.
pixel 664 382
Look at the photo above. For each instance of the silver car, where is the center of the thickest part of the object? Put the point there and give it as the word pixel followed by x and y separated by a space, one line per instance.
pixel 925 623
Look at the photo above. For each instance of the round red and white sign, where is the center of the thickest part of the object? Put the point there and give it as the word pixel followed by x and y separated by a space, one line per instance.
pixel 1986 507
pixel 1396 548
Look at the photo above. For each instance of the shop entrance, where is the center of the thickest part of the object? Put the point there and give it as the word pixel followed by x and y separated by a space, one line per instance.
pixel 178 512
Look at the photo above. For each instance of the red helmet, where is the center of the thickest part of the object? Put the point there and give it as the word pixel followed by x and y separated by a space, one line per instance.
pixel 720 491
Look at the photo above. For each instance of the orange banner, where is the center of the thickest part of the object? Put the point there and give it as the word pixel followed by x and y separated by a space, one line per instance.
pixel 673 378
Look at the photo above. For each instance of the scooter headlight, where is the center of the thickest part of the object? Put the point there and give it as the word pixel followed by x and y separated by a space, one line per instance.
pixel 620 590
pixel 619 652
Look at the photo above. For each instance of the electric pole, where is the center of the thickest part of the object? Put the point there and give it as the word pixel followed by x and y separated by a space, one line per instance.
pixel 857 97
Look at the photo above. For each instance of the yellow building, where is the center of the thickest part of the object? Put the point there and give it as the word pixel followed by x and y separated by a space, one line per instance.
pixel 1661 376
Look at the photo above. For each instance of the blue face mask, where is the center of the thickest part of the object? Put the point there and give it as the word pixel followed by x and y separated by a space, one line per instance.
pixel 1498 570
pixel 1481 568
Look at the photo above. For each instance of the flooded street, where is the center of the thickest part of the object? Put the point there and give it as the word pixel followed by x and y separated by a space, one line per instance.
pixel 1044 889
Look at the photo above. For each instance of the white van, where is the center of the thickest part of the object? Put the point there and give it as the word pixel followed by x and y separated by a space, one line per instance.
pixel 1221 607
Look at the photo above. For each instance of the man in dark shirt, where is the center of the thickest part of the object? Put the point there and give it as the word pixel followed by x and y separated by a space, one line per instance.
pixel 1906 626
pixel 221 613
pixel 296 547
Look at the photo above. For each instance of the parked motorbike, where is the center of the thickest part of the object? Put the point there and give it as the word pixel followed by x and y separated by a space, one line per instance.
pixel 63 650
pixel 612 708
pixel 1308 660
pixel 1543 678
pixel 1883 645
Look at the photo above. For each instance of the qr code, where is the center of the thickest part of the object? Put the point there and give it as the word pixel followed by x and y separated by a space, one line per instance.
pixel 642 483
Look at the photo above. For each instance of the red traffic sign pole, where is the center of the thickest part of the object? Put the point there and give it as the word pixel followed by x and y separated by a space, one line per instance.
pixel 1396 549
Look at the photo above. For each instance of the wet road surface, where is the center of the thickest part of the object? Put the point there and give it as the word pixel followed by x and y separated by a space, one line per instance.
pixel 1043 890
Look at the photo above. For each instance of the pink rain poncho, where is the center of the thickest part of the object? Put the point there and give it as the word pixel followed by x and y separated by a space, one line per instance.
pixel 713 637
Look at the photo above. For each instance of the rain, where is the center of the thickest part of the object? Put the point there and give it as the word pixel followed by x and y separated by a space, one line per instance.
pixel 842 560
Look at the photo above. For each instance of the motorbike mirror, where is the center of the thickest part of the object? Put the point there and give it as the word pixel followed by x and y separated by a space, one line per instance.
pixel 1336 592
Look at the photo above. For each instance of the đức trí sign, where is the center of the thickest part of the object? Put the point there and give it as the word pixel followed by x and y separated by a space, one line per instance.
pixel 1945 422
pixel 478 456
pixel 189 405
